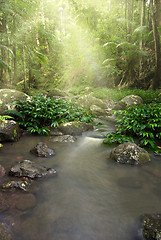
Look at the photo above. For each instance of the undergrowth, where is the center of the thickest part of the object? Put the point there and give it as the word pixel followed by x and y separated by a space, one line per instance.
pixel 143 122
pixel 40 112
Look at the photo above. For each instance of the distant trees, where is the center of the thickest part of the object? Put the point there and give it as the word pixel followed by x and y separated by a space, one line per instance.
pixel 111 43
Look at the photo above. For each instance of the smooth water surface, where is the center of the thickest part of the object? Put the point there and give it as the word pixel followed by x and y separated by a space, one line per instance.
pixel 90 198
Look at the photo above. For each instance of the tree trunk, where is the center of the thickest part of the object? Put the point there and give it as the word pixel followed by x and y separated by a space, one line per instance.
pixel 154 14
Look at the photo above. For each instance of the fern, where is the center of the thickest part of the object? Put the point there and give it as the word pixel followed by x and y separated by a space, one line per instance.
pixel 15 114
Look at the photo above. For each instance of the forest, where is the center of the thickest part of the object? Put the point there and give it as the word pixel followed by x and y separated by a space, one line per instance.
pixel 67 44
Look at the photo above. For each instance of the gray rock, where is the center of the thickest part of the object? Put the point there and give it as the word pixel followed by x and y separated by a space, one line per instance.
pixel 9 131
pixel 30 169
pixel 75 128
pixel 42 150
pixel 87 101
pixel 151 226
pixel 128 101
pixel 130 153
pixel 64 138
pixel 8 96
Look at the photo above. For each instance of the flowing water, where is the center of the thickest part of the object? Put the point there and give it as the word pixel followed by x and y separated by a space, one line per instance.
pixel 90 198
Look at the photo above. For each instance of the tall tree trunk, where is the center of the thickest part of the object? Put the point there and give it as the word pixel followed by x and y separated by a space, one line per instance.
pixel 24 62
pixel 154 14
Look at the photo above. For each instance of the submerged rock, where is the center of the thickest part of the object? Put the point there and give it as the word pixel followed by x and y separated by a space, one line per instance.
pixel 64 138
pixel 151 226
pixel 5 232
pixel 42 150
pixel 75 128
pixel 2 171
pixel 9 131
pixel 30 169
pixel 130 153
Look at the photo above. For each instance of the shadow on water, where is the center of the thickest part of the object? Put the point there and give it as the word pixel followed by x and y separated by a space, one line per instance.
pixel 91 198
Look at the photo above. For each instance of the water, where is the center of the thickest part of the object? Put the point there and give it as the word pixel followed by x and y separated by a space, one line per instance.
pixel 91 198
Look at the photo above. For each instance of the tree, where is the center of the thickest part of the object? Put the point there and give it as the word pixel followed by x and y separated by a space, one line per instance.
pixel 155 10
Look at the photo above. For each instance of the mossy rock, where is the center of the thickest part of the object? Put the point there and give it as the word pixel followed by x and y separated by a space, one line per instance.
pixel 87 101
pixel 8 96
pixel 130 153
pixel 151 226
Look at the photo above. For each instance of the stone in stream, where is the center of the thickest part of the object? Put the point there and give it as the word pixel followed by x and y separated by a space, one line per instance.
pixel 42 150
pixel 130 153
pixel 64 138
pixel 18 184
pixel 5 232
pixel 151 226
pixel 75 128
pixel 9 131
pixel 30 169
pixel 2 171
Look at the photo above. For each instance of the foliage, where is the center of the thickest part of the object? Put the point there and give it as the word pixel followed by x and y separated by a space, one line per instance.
pixel 4 117
pixel 42 112
pixel 143 122
pixel 14 114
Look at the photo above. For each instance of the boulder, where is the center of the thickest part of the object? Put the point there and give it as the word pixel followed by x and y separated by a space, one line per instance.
pixel 128 101
pixel 9 131
pixel 99 111
pixel 17 184
pixel 87 101
pixel 42 150
pixel 64 138
pixel 151 226
pixel 30 169
pixel 56 92
pixel 75 128
pixel 130 153
pixel 8 96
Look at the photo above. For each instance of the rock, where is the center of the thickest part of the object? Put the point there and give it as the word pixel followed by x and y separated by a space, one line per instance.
pixel 42 150
pixel 151 226
pixel 19 184
pixel 56 92
pixel 9 131
pixel 55 132
pixel 128 101
pixel 64 138
pixel 2 171
pixel 25 201
pixel 5 232
pixel 87 101
pixel 130 153
pixel 30 169
pixel 8 96
pixel 75 128
pixel 99 111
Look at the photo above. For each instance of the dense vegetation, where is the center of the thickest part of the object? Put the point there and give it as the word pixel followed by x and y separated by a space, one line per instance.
pixel 138 122
pixel 40 113
pixel 50 43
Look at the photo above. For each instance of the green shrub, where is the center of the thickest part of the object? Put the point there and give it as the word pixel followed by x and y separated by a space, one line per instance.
pixel 143 122
pixel 41 112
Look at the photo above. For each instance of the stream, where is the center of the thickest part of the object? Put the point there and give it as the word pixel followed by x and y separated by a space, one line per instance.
pixel 90 198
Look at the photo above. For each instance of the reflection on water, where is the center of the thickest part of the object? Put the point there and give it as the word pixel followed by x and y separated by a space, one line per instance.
pixel 91 198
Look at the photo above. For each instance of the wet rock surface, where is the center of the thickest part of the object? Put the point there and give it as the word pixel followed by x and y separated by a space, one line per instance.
pixel 151 226
pixel 64 138
pixel 75 128
pixel 130 153
pixel 17 184
pixel 42 150
pixel 9 131
pixel 30 169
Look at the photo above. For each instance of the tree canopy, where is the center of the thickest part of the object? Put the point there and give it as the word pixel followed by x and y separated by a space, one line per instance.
pixel 50 43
